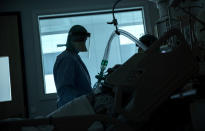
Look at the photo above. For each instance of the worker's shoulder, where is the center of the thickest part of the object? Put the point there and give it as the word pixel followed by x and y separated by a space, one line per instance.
pixel 66 56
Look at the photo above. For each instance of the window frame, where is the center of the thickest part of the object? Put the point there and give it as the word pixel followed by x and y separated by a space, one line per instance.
pixel 37 39
pixel 16 61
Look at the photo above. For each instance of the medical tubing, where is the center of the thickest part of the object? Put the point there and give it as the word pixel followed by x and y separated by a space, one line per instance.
pixel 107 49
pixel 133 38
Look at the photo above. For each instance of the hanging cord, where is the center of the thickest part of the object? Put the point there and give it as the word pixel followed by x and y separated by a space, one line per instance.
pixel 100 75
pixel 114 21
pixel 193 16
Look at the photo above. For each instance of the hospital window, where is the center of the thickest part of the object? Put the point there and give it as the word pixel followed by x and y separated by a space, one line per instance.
pixel 54 31
pixel 5 89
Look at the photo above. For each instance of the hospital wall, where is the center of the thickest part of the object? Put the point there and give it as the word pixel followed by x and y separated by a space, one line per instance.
pixel 29 10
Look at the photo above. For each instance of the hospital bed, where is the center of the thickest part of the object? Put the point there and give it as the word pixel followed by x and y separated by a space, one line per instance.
pixel 151 79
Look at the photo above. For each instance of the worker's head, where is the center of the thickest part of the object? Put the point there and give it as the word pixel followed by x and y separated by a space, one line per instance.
pixel 147 40
pixel 77 37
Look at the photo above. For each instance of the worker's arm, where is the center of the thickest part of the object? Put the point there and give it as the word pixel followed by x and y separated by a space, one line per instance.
pixel 65 80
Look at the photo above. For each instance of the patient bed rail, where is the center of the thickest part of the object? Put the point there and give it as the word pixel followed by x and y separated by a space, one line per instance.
pixel 62 123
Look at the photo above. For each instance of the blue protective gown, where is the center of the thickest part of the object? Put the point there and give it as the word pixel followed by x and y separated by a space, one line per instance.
pixel 71 77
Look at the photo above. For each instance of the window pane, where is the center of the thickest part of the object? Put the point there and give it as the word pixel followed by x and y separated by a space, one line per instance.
pixel 5 89
pixel 54 31
pixel 50 42
pixel 128 47
pixel 50 84
pixel 135 30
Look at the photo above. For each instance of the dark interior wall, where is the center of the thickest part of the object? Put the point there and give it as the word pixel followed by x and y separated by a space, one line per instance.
pixel 29 10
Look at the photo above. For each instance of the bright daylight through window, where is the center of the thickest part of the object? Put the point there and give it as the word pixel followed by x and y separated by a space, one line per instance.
pixel 5 89
pixel 53 31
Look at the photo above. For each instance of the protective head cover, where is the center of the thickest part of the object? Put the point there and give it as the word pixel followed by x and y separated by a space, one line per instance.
pixel 78 33
pixel 148 40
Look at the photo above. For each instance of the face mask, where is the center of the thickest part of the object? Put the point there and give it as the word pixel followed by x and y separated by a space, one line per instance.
pixel 80 46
